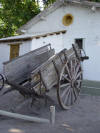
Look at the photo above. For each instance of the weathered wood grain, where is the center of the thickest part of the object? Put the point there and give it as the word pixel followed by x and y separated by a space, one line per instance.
pixel 49 76
pixel 38 61
pixel 51 69
pixel 19 69
pixel 47 62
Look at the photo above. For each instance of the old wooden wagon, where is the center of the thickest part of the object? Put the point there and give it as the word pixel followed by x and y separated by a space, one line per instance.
pixel 36 73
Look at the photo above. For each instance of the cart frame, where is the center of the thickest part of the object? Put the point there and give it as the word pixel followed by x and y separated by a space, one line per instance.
pixel 62 70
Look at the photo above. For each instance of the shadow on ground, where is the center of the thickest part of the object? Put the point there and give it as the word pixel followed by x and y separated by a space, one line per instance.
pixel 83 117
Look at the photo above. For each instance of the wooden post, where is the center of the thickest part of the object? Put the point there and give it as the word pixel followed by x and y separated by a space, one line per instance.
pixel 52 115
pixel 24 117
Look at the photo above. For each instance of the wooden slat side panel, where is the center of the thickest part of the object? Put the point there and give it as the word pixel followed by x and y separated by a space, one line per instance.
pixel 35 52
pixel 69 53
pixel 49 73
pixel 59 62
pixel 47 62
pixel 20 69
pixel 63 58
pixel 49 76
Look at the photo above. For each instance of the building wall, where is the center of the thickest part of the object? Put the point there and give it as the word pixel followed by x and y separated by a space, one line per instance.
pixel 85 25
pixel 5 51
pixel 25 47
pixel 54 40
pixel 4 55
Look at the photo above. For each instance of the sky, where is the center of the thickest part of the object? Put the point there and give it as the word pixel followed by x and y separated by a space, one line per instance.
pixel 41 4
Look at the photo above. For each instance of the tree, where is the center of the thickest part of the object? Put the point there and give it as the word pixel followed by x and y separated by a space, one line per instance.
pixel 48 2
pixel 15 13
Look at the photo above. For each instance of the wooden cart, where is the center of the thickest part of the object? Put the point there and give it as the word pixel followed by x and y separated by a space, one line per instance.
pixel 37 72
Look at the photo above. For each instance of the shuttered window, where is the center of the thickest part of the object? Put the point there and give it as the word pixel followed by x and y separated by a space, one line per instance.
pixel 14 51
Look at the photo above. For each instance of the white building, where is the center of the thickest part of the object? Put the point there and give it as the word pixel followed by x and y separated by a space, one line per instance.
pixel 63 23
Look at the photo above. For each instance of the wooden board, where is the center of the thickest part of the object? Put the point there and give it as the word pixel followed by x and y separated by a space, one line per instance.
pixel 51 71
pixel 49 76
pixel 20 68
pixel 69 53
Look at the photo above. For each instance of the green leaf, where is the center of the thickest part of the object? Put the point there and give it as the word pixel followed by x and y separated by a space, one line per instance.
pixel 15 13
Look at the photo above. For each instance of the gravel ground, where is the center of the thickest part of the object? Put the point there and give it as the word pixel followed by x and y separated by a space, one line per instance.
pixel 83 117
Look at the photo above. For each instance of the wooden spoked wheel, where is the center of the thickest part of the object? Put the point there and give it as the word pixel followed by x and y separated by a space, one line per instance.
pixel 69 84
pixel 1 81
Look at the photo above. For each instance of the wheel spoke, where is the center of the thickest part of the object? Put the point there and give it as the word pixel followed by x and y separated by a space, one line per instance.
pixel 75 93
pixel 77 70
pixel 72 96
pixel 68 71
pixel 75 67
pixel 65 91
pixel 64 85
pixel 67 97
pixel 71 65
pixel 78 75
pixel 70 83
pixel 75 63
pixel 79 82
pixel 65 77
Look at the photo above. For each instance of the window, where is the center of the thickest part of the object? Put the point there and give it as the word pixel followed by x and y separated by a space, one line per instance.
pixel 67 20
pixel 14 51
pixel 79 42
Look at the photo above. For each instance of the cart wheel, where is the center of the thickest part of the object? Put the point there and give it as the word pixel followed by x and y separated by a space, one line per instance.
pixel 69 83
pixel 1 81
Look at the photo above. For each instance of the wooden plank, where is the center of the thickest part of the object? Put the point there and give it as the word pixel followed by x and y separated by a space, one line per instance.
pixel 48 71
pixel 60 61
pixel 47 62
pixel 49 76
pixel 20 68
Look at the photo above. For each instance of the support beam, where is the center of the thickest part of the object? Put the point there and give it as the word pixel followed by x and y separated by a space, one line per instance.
pixel 24 117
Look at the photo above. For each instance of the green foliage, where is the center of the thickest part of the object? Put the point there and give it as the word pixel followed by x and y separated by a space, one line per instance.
pixel 48 2
pixel 15 13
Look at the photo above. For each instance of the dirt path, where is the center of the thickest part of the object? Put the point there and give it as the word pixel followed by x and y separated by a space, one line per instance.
pixel 83 117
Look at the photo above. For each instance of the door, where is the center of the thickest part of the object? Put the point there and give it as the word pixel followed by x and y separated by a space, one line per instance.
pixel 14 51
